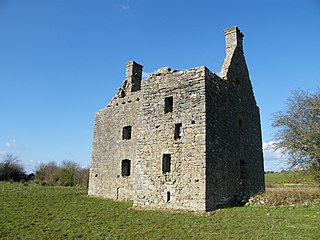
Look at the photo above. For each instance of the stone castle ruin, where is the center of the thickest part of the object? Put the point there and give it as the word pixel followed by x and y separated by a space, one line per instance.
pixel 181 139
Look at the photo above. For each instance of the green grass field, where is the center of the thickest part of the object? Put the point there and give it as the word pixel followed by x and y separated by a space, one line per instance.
pixel 293 177
pixel 37 212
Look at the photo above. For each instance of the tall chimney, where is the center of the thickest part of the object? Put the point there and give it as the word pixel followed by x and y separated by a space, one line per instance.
pixel 233 38
pixel 233 44
pixel 133 76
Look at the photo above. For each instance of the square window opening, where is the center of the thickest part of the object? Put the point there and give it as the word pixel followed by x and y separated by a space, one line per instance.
pixel 126 133
pixel 168 104
pixel 125 168
pixel 166 163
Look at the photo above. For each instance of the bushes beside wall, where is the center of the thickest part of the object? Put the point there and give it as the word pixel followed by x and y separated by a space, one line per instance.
pixel 67 174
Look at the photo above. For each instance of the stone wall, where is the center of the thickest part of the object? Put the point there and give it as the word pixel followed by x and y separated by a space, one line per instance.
pixel 182 187
pixel 110 149
pixel 234 145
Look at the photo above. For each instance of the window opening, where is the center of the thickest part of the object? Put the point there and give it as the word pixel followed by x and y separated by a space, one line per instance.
pixel 240 126
pixel 166 163
pixel 168 104
pixel 243 169
pixel 122 93
pixel 238 82
pixel 125 168
pixel 177 131
pixel 126 133
pixel 168 196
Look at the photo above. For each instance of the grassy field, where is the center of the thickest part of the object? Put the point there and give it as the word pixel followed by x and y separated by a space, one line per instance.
pixel 289 177
pixel 37 212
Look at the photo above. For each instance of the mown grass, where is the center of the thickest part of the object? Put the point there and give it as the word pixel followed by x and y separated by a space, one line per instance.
pixel 37 212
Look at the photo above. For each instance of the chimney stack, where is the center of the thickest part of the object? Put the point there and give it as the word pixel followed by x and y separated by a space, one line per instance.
pixel 133 76
pixel 233 39
pixel 233 48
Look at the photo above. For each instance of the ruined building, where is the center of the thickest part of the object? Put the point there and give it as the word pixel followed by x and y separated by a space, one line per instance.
pixel 181 139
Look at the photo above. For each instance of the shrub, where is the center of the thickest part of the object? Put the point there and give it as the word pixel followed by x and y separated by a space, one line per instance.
pixel 47 174
pixel 68 173
pixel 83 177
pixel 295 181
pixel 286 196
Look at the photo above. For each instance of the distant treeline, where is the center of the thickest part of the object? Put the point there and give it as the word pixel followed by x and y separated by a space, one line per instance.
pixel 68 173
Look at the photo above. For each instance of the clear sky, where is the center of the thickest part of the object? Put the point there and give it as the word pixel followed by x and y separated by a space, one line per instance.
pixel 63 60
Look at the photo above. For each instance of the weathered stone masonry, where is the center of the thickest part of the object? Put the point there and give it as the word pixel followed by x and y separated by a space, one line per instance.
pixel 181 139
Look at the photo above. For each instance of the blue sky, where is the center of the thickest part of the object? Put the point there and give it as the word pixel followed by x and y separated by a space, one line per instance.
pixel 63 60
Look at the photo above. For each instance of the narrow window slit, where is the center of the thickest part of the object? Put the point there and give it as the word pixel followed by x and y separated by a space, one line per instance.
pixel 177 131
pixel 240 123
pixel 168 196
pixel 166 163
pixel 243 169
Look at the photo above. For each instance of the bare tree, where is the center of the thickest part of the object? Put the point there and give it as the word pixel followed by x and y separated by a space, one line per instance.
pixel 298 131
pixel 11 169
